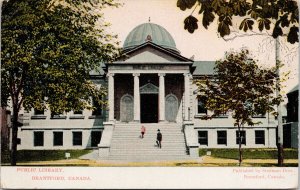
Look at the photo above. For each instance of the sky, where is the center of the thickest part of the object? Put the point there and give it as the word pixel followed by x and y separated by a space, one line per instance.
pixel 204 44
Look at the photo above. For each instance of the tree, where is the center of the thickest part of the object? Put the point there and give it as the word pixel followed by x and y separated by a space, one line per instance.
pixel 49 48
pixel 239 86
pixel 279 16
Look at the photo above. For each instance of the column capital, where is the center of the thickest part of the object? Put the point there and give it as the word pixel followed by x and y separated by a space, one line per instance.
pixel 187 74
pixel 110 74
pixel 136 74
pixel 161 74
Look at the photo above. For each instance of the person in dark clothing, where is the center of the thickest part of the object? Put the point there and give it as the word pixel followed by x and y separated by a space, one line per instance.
pixel 158 138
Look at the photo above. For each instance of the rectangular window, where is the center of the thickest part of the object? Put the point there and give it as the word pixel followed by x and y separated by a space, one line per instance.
pixel 97 108
pixel 259 137
pixel 38 138
pixel 202 137
pixel 95 138
pixel 222 137
pixel 201 106
pixel 38 111
pixel 243 137
pixel 77 138
pixel 57 138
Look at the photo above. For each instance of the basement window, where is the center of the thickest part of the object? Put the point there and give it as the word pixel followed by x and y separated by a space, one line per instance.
pixel 260 137
pixel 222 137
pixel 77 138
pixel 57 138
pixel 243 137
pixel 38 138
pixel 202 137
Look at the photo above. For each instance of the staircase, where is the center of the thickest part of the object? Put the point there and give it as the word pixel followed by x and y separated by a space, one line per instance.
pixel 128 145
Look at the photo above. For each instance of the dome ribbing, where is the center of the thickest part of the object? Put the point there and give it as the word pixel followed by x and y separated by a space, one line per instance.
pixel 149 32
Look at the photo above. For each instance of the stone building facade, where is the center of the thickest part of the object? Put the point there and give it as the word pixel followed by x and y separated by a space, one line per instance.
pixel 152 86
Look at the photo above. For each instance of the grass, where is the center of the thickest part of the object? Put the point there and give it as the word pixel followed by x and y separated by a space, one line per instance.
pixel 42 155
pixel 218 158
pixel 250 153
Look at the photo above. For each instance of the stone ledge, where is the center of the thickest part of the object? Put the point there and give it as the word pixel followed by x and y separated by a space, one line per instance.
pixel 59 117
pixel 95 117
pixel 38 117
pixel 76 117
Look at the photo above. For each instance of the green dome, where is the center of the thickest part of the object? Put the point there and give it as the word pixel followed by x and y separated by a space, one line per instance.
pixel 149 32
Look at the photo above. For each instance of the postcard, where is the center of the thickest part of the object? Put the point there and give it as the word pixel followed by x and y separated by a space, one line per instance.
pixel 154 94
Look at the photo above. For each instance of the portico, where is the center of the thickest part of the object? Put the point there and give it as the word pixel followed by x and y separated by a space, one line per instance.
pixel 142 96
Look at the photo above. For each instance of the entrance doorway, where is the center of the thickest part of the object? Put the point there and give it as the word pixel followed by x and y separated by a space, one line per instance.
pixel 149 108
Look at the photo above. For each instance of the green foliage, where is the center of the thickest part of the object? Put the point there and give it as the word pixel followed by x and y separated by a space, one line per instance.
pixel 43 155
pixel 241 87
pixel 49 47
pixel 283 13
pixel 250 153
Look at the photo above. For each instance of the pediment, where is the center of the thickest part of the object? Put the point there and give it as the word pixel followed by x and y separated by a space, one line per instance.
pixel 153 53
pixel 149 88
pixel 147 55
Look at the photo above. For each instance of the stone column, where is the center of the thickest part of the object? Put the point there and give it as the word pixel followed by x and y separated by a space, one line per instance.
pixel 161 96
pixel 186 96
pixel 111 97
pixel 136 103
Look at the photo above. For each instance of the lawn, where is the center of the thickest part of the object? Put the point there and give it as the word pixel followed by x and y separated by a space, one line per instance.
pixel 219 157
pixel 250 153
pixel 43 155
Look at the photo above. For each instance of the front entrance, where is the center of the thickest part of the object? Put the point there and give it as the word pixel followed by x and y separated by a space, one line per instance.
pixel 149 108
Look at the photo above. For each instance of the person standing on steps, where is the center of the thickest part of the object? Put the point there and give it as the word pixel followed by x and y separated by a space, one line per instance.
pixel 158 138
pixel 143 130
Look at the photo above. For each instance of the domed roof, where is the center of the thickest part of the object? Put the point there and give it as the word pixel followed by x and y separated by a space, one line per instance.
pixel 149 32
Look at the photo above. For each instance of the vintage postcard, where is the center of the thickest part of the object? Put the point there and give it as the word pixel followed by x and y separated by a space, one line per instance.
pixel 152 94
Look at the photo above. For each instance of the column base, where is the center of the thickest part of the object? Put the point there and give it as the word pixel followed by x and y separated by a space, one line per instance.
pixel 162 121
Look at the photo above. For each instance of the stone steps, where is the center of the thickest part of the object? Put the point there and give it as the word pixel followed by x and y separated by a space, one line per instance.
pixel 126 143
pixel 148 158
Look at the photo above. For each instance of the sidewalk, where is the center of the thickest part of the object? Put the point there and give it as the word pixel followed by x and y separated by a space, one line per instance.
pixel 205 161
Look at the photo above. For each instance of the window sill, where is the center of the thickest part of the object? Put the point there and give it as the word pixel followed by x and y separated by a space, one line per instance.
pixel 76 117
pixel 59 117
pixel 214 117
pixel 38 117
pixel 200 115
pixel 95 117
pixel 220 117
